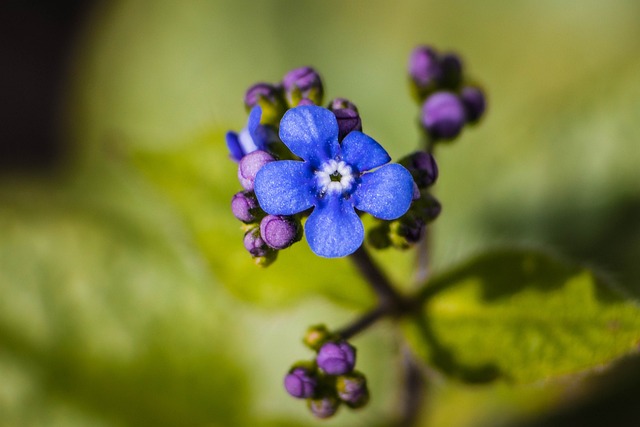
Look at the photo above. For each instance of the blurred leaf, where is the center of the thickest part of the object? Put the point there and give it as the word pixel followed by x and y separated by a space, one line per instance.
pixel 200 180
pixel 104 311
pixel 522 316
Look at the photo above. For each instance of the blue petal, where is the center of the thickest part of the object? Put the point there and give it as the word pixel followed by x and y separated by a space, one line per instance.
pixel 385 193
pixel 334 229
pixel 233 144
pixel 311 133
pixel 254 118
pixel 362 152
pixel 285 187
pixel 259 134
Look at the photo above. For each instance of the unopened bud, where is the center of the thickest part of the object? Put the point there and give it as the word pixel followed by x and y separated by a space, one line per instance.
pixel 443 115
pixel 249 166
pixel 336 358
pixel 324 407
pixel 244 206
pixel 280 231
pixel 474 103
pixel 303 82
pixel 352 389
pixel 301 383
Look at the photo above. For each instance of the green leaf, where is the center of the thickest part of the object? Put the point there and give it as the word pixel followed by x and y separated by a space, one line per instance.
pixel 522 316
pixel 199 180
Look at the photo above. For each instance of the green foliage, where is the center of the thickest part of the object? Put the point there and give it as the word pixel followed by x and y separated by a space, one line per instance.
pixel 522 316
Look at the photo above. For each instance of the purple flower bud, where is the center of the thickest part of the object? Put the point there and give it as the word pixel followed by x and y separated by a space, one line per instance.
pixel 430 207
pixel 451 66
pixel 300 383
pixel 255 245
pixel 443 115
pixel 348 120
pixel 336 358
pixel 474 103
pixel 423 168
pixel 424 67
pixel 352 389
pixel 340 103
pixel 249 166
pixel 324 407
pixel 303 82
pixel 266 91
pixel 244 205
pixel 280 232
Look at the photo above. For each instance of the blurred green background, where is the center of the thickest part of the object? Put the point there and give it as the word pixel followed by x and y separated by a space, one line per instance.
pixel 126 297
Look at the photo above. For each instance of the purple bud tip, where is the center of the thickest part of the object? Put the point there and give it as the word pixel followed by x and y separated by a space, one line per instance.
pixel 352 389
pixel 257 91
pixel 424 67
pixel 254 244
pixel 340 103
pixel 300 383
pixel 348 120
pixel 305 101
pixel 280 232
pixel 336 358
pixel 304 78
pixel 250 165
pixel 324 407
pixel 443 115
pixel 451 66
pixel 243 205
pixel 474 103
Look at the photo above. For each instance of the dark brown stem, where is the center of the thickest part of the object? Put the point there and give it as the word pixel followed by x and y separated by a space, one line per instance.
pixel 362 323
pixel 414 390
pixel 388 297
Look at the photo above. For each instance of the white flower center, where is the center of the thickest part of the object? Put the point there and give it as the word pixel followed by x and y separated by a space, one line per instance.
pixel 334 177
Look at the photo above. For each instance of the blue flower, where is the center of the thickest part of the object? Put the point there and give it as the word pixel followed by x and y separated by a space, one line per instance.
pixel 253 137
pixel 334 178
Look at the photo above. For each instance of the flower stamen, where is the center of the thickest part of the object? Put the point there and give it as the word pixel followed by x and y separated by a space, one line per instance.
pixel 334 177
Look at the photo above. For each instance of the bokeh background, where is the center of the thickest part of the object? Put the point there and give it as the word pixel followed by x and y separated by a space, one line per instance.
pixel 126 297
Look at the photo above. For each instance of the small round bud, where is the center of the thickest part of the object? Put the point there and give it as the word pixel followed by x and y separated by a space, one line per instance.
pixel 474 103
pixel 244 206
pixel 340 103
pixel 443 115
pixel 348 120
pixel 303 82
pixel 300 383
pixel 279 231
pixel 378 236
pixel 352 389
pixel 254 243
pixel 425 71
pixel 324 407
pixel 423 168
pixel 249 166
pixel 316 336
pixel 429 208
pixel 451 66
pixel 336 358
pixel 406 232
pixel 269 98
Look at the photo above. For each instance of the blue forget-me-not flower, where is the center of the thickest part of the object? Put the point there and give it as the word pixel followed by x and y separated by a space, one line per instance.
pixel 334 179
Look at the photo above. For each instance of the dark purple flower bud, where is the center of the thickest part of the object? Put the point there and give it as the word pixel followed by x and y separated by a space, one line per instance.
pixel 244 205
pixel 407 232
pixel 425 70
pixel 443 115
pixel 300 383
pixel 474 103
pixel 279 231
pixel 249 166
pixel 255 245
pixel 303 82
pixel 348 120
pixel 340 103
pixel 336 358
pixel 451 66
pixel 352 389
pixel 324 407
pixel 423 168
pixel 429 207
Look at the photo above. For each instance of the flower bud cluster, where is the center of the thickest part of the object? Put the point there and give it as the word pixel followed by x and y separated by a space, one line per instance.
pixel 264 234
pixel 447 100
pixel 409 229
pixel 328 381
